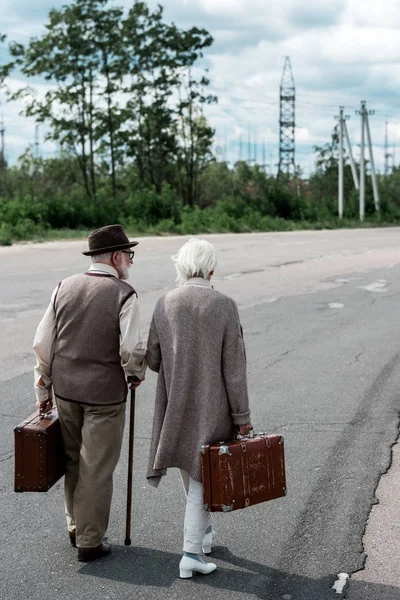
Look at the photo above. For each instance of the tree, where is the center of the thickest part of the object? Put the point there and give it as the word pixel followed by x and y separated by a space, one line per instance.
pixel 165 139
pixel 192 130
pixel 76 55
pixel 4 70
pixel 149 84
pixel 114 83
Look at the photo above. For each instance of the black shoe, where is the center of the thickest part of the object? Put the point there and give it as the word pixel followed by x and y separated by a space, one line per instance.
pixel 72 538
pixel 88 554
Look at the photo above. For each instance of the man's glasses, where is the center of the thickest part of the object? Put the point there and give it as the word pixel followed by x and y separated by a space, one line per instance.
pixel 130 252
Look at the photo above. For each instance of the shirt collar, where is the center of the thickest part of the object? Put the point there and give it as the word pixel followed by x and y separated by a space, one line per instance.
pixel 102 268
pixel 199 281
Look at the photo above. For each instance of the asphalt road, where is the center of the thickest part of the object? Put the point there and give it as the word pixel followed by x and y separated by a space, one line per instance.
pixel 320 315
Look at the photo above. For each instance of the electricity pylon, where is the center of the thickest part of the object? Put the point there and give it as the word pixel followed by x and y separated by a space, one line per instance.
pixel 287 121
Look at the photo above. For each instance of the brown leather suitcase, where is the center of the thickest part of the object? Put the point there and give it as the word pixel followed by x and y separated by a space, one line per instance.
pixel 243 472
pixel 39 453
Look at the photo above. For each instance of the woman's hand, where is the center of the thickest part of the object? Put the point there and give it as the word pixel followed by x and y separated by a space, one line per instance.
pixel 245 429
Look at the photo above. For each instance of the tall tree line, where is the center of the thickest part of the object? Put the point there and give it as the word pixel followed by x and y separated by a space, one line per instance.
pixel 125 95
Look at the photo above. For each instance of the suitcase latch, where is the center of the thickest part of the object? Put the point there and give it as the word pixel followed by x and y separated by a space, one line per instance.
pixel 224 450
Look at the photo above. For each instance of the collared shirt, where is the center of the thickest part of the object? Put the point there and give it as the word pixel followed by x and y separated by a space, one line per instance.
pixel 199 281
pixel 132 349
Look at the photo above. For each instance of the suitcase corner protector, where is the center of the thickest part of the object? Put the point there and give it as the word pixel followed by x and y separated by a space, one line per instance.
pixel 18 429
pixel 227 509
pixel 18 489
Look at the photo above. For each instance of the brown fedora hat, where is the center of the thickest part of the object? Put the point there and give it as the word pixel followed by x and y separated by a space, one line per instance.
pixel 108 239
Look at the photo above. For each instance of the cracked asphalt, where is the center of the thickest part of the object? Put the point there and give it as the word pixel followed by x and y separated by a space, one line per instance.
pixel 320 313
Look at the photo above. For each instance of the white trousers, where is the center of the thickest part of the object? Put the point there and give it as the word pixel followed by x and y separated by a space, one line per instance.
pixel 197 520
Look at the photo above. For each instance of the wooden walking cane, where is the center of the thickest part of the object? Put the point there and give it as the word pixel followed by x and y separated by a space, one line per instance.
pixel 130 467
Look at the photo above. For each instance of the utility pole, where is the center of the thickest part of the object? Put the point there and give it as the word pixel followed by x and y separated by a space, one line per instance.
pixel 352 162
pixel 225 147
pixel 365 128
pixel 287 121
pixel 362 163
pixel 36 153
pixel 2 145
pixel 387 153
pixel 218 150
pixel 264 157
pixel 344 133
pixel 249 146
pixel 371 158
pixel 240 147
pixel 255 148
pixel 341 169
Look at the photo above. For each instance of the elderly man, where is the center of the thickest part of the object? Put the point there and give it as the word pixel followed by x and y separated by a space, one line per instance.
pixel 196 346
pixel 86 345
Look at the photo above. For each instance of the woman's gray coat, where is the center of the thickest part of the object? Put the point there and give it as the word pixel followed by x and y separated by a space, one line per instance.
pixel 196 346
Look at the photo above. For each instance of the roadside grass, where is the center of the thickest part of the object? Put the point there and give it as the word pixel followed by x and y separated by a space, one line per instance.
pixel 167 227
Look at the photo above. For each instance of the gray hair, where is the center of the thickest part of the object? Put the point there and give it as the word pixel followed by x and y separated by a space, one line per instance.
pixel 98 258
pixel 196 258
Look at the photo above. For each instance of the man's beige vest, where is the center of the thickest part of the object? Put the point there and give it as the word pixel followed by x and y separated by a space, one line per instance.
pixel 87 365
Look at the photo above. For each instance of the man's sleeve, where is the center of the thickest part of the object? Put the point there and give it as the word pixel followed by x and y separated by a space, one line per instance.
pixel 153 354
pixel 132 350
pixel 234 370
pixel 43 347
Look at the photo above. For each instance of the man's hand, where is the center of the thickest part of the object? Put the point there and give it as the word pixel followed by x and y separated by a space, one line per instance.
pixel 245 429
pixel 134 382
pixel 45 406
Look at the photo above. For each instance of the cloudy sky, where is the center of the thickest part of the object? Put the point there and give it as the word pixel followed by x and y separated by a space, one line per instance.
pixel 341 52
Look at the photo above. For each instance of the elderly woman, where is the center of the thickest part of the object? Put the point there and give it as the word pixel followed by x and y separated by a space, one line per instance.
pixel 196 346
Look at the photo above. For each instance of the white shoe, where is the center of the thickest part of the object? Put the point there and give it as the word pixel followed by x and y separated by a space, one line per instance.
pixel 188 566
pixel 207 542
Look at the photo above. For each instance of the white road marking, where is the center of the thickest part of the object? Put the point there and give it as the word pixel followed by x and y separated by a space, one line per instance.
pixel 347 279
pixel 377 286
pixel 340 583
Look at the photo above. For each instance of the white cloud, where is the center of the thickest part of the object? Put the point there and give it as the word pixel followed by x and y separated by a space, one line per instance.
pixel 341 53
pixel 371 13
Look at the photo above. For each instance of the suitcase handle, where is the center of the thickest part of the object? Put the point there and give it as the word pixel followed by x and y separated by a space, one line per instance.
pixel 251 435
pixel 248 436
pixel 46 414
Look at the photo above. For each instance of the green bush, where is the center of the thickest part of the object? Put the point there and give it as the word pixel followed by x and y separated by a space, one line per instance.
pixel 165 226
pixel 27 229
pixel 149 207
pixel 6 236
pixel 241 200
